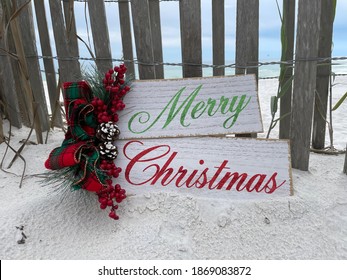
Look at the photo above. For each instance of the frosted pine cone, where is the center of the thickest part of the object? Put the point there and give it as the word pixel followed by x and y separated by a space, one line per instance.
pixel 108 150
pixel 107 132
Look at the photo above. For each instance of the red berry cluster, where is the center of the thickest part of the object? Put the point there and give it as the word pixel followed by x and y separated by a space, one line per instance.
pixel 114 85
pixel 109 196
pixel 116 89
pixel 110 168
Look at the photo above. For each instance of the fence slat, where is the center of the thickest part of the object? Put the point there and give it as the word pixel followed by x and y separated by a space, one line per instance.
pixel 69 69
pixel 24 102
pixel 48 62
pixel 247 40
pixel 190 23
pixel 7 82
pixel 125 28
pixel 154 13
pixel 29 41
pixel 288 15
pixel 304 81
pixel 323 75
pixel 143 38
pixel 23 73
pixel 247 36
pixel 218 36
pixel 101 39
pixel 70 23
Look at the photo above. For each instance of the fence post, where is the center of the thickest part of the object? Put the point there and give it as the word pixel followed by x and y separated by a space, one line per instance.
pixel 47 60
pixel 143 38
pixel 247 37
pixel 247 41
pixel 304 81
pixel 288 27
pixel 101 38
pixel 29 44
pixel 70 24
pixel 323 74
pixel 218 36
pixel 154 15
pixel 69 69
pixel 125 29
pixel 23 72
pixel 7 82
pixel 190 22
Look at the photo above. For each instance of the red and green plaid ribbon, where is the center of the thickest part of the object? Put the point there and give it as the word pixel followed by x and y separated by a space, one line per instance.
pixel 78 149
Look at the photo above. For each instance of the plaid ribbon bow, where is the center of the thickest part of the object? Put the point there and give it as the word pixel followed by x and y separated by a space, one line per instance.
pixel 78 149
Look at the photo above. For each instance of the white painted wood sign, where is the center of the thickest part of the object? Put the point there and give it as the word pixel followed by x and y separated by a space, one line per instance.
pixel 191 107
pixel 208 166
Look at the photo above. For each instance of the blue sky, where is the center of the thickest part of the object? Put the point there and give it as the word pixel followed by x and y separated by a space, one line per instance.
pixel 269 42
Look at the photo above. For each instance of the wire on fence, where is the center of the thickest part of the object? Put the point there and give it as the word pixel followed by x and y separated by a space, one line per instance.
pixel 204 65
pixel 232 65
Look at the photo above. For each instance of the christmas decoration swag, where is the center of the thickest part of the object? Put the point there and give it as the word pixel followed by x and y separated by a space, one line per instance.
pixel 85 160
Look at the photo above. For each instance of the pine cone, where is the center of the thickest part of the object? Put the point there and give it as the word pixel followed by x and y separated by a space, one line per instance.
pixel 107 132
pixel 108 150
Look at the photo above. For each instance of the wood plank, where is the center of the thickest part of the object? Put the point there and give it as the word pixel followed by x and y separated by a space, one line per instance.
pixel 23 73
pixel 218 36
pixel 304 81
pixel 154 13
pixel 7 81
pixel 190 26
pixel 323 74
pixel 69 67
pixel 101 38
pixel 29 41
pixel 247 37
pixel 127 44
pixel 224 168
pixel 191 107
pixel 24 101
pixel 70 23
pixel 288 15
pixel 48 61
pixel 143 38
pixel 247 40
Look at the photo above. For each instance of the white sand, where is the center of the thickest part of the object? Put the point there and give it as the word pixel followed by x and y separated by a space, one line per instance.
pixel 62 225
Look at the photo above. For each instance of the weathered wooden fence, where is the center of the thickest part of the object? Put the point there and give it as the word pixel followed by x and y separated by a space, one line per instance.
pixel 22 85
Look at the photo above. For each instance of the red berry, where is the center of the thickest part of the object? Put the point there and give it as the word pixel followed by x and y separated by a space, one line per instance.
pixel 105 119
pixel 112 215
pixel 103 206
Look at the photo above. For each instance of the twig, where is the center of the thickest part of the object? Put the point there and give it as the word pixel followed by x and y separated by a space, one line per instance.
pixel 24 143
pixel 22 158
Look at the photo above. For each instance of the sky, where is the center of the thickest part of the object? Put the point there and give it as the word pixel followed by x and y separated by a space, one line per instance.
pixel 269 34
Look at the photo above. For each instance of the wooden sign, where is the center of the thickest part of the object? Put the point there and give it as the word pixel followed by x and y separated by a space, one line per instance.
pixel 208 166
pixel 191 107
pixel 175 114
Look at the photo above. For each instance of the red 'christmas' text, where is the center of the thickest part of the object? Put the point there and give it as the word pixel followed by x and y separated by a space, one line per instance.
pixel 168 172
